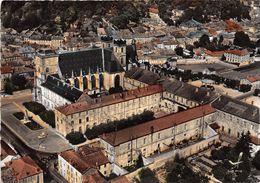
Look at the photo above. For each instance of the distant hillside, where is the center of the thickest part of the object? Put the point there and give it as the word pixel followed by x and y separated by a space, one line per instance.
pixel 60 14
pixel 57 16
pixel 201 10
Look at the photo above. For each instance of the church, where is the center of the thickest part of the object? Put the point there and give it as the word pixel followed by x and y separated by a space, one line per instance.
pixel 93 70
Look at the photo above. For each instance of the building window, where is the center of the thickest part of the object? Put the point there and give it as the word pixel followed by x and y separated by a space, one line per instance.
pixel 129 146
pixel 87 119
pixel 144 140
pixel 71 116
pixel 72 122
pixel 159 135
pixel 79 121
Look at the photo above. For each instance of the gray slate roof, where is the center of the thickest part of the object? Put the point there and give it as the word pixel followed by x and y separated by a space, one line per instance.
pixel 237 108
pixel 61 88
pixel 143 76
pixel 88 60
pixel 176 87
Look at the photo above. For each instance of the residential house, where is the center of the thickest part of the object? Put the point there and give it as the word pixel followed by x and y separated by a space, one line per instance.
pixel 6 73
pixel 22 170
pixel 75 166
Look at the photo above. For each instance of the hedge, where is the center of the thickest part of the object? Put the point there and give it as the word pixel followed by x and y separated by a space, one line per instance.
pixel 118 124
pixel 34 107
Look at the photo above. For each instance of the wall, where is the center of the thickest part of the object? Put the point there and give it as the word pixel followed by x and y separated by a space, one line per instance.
pixel 236 125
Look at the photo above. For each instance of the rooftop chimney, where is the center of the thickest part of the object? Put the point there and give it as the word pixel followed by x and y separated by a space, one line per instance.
pixel 152 129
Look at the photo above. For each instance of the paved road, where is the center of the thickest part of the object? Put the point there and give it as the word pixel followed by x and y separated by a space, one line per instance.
pixel 17 97
pixel 53 143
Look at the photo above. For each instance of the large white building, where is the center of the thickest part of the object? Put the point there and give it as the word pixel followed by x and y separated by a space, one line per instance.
pixel 238 56
pixel 57 93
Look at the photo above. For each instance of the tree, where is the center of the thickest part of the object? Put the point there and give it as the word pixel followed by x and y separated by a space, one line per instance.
pixel 34 107
pixel 19 81
pixel 221 39
pixel 177 171
pixel 8 87
pixel 204 40
pixel 257 44
pixel 223 58
pixel 243 145
pixel 48 117
pixel 139 162
pixel 146 175
pixel 242 39
pixel 118 124
pixel 179 51
pixel 120 21
pixel 256 160
pixel 245 88
pixel 75 138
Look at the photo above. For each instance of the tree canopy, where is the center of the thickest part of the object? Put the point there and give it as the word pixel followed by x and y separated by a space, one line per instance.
pixel 75 138
pixel 242 39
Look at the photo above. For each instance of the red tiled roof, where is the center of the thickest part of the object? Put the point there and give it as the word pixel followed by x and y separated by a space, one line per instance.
pixel 125 135
pixel 93 178
pixel 237 52
pixel 255 140
pixel 85 158
pixel 6 150
pixel 110 99
pixel 6 69
pixel 253 78
pixel 232 26
pixel 214 53
pixel 212 31
pixel 153 10
pixel 24 167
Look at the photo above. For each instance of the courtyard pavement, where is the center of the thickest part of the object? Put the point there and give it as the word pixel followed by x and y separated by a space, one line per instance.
pixel 52 143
